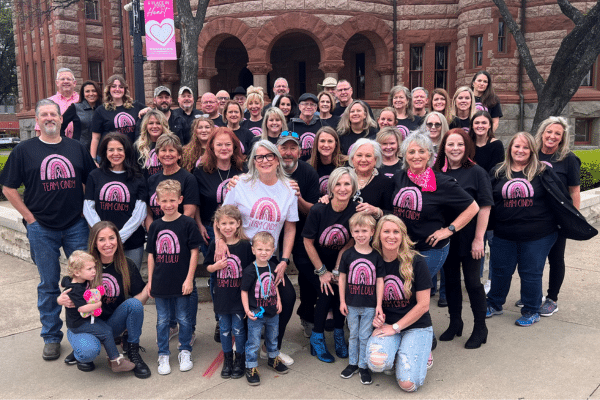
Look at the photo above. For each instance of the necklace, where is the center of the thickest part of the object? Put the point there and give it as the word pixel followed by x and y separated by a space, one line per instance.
pixel 262 288
pixel 364 182
pixel 219 171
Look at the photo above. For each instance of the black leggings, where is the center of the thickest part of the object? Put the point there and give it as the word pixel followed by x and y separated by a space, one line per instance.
pixel 308 283
pixel 287 294
pixel 470 268
pixel 556 259
pixel 324 303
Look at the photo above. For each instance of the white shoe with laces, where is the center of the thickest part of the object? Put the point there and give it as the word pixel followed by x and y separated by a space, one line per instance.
pixel 285 359
pixel 185 360
pixel 164 368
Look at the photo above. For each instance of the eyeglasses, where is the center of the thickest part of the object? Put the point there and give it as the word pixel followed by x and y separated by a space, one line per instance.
pixel 290 133
pixel 268 157
pixel 435 125
pixel 308 104
pixel 222 98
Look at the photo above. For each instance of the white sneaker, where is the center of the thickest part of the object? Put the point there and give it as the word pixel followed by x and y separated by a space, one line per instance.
pixel 163 365
pixel 487 286
pixel 185 360
pixel 286 359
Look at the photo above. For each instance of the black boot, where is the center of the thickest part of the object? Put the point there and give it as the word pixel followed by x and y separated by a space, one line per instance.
pixel 227 365
pixel 478 337
pixel 455 329
pixel 238 365
pixel 141 370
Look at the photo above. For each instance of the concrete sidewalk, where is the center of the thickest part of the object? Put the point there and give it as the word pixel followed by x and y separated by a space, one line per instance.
pixel 559 357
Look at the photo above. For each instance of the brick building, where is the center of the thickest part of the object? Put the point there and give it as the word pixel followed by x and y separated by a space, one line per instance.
pixel 438 43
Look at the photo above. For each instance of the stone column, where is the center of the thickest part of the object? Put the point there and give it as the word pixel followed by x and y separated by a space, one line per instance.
pixel 204 75
pixel 386 72
pixel 331 68
pixel 259 71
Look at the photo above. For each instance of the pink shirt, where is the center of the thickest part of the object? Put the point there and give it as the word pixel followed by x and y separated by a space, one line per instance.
pixel 63 104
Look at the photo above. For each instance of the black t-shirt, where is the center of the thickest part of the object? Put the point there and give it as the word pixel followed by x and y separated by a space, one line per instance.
pixel 261 292
pixel 122 120
pixel 73 317
pixel 54 175
pixel 245 137
pixel 424 212
pixel 324 171
pixel 255 127
pixel 213 188
pixel 568 169
pixel 329 229
pixel 521 212
pixel 308 181
pixel 114 292
pixel 189 190
pixel 115 196
pixel 407 125
pixel 349 138
pixel 362 271
pixel 495 111
pixel 377 192
pixel 461 123
pixel 171 242
pixel 152 166
pixel 489 155
pixel 476 182
pixel 390 170
pixel 187 121
pixel 228 298
pixel 307 134
pixel 332 121
pixel 395 304
pixel 339 109
pixel 219 121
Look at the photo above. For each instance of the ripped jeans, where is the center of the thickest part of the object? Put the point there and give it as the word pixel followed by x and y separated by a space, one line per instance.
pixel 410 349
pixel 232 324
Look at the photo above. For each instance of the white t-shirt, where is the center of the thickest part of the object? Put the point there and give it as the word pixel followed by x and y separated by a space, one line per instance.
pixel 263 207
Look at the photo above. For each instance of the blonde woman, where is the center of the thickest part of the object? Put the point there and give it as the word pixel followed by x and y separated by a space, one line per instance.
pixel 153 126
pixel 356 123
pixel 273 124
pixel 462 109
pixel 254 104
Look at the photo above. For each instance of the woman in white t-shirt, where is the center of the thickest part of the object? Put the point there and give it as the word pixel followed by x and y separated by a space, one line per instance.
pixel 268 203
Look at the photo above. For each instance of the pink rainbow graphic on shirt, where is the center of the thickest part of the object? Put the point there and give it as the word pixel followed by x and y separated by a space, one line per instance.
pixel 56 166
pixel 264 280
pixel 480 107
pixel 222 191
pixel 266 209
pixel 389 175
pixel 111 285
pixel 361 272
pixel 167 242
pixel 517 188
pixel 233 270
pixel 323 184
pixel 409 198
pixel 115 192
pixel 199 162
pixel 123 119
pixel 256 131
pixel 307 141
pixel 547 163
pixel 153 201
pixel 335 235
pixel 404 131
pixel 393 288
pixel 152 160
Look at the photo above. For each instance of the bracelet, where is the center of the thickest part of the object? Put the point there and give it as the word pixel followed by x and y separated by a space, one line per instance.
pixel 336 272
pixel 321 271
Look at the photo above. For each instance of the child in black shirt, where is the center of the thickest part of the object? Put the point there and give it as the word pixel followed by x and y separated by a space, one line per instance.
pixel 82 271
pixel 361 268
pixel 262 307
pixel 227 294
pixel 173 242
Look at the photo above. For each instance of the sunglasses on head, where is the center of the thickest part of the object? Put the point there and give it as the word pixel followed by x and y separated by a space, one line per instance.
pixel 290 133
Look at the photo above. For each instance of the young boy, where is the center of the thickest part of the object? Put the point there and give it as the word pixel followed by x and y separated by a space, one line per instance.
pixel 173 242
pixel 262 307
pixel 362 268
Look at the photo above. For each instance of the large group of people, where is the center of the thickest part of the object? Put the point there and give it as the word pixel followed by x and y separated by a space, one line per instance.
pixel 368 210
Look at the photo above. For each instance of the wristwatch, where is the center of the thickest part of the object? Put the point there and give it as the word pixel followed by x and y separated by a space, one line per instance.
pixel 396 327
pixel 452 228
pixel 286 260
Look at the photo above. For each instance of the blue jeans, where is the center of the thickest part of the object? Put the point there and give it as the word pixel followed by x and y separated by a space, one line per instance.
pixel 136 255
pixel 360 324
pixel 435 259
pixel 211 235
pixel 410 349
pixel 489 238
pixel 253 343
pixel 45 247
pixel 193 310
pixel 229 323
pixel 163 307
pixel 530 258
pixel 101 331
pixel 129 315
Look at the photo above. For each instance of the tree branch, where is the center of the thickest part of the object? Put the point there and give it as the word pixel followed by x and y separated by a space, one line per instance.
pixel 570 11
pixel 532 72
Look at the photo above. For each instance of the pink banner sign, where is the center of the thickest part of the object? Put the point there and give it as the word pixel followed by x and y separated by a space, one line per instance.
pixel 160 30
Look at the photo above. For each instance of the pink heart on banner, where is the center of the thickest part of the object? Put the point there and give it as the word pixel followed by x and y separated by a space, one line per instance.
pixel 161 33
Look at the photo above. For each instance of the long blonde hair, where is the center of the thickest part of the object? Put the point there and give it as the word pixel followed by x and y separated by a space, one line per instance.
pixel 143 143
pixel 278 114
pixel 453 110
pixel 533 168
pixel 344 127
pixel 563 147
pixel 406 251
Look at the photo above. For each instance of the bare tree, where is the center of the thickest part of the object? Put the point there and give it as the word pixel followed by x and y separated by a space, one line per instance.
pixel 576 55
